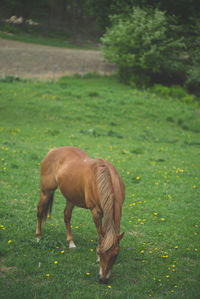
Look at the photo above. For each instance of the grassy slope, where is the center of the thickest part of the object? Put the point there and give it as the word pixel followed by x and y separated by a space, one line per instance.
pixel 154 143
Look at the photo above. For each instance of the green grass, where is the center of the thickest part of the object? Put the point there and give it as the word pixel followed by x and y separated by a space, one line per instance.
pixel 154 144
pixel 41 37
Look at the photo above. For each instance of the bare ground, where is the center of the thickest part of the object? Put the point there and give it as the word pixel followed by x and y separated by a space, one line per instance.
pixel 36 61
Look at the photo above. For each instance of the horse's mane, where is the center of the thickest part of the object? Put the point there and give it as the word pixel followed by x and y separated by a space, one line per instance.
pixel 105 187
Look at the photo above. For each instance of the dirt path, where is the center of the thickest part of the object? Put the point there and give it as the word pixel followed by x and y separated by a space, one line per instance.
pixel 37 61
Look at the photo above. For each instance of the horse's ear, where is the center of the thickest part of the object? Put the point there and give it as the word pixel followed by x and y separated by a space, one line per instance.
pixel 119 237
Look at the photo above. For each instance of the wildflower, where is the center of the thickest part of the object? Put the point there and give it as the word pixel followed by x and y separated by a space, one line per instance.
pixel 169 196
pixel 62 251
pixel 176 247
pixel 128 172
pixel 55 262
pixel 91 249
pixel 142 251
pixel 162 219
pixel 10 241
pixel 109 287
pixel 194 187
pixel 137 178
pixel 47 275
pixel 167 276
pixel 155 214
pixel 88 273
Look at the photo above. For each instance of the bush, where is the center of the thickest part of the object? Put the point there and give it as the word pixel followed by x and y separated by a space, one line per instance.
pixel 141 44
pixel 173 92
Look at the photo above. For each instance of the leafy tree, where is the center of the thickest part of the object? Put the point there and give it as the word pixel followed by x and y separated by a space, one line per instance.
pixel 144 44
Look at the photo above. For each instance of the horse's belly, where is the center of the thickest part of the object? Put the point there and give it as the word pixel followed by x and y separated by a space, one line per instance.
pixel 77 197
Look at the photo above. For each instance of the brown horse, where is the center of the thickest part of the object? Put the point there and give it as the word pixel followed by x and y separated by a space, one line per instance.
pixel 87 183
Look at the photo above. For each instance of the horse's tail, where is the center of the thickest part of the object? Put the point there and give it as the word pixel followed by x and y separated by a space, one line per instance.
pixel 44 209
pixel 104 185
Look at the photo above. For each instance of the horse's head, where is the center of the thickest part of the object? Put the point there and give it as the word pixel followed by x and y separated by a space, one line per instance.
pixel 108 258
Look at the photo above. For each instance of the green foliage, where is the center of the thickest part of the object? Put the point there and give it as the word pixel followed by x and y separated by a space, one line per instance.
pixel 141 44
pixel 173 92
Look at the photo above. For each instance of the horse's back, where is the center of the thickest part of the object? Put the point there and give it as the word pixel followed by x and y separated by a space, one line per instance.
pixel 54 160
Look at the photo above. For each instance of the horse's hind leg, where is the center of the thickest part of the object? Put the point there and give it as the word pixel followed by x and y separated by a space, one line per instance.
pixel 67 218
pixel 44 207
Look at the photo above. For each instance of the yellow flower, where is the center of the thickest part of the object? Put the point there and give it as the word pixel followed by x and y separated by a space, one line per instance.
pixel 62 251
pixel 10 241
pixel 137 178
pixel 109 287
pixel 167 276
pixel 88 273
pixel 155 214
pixel 55 262
pixel 47 275
pixel 176 247
pixel 91 250
pixel 162 219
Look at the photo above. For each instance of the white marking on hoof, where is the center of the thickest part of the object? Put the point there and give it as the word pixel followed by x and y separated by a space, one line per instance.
pixel 71 244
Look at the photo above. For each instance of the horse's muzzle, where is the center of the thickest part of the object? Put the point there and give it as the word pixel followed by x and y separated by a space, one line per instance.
pixel 102 280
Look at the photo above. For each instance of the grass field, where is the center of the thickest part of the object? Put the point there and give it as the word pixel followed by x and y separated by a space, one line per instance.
pixel 153 142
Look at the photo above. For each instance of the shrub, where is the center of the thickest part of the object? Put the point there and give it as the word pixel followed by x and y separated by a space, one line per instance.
pixel 174 92
pixel 141 44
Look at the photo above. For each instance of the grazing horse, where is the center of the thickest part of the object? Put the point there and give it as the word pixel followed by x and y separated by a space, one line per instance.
pixel 87 183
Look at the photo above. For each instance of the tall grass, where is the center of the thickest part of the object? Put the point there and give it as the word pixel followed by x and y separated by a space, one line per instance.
pixel 154 144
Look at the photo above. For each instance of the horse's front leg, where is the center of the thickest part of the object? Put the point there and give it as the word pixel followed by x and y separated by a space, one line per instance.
pixel 97 217
pixel 67 218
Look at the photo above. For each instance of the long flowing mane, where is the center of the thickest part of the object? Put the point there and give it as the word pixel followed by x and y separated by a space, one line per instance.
pixel 105 187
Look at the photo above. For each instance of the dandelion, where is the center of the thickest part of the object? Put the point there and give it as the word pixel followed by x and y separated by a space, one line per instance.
pixel 47 275
pixel 137 178
pixel 128 172
pixel 109 287
pixel 10 241
pixel 194 187
pixel 55 262
pixel 91 249
pixel 176 247
pixel 167 276
pixel 62 251
pixel 155 214
pixel 142 251
pixel 88 273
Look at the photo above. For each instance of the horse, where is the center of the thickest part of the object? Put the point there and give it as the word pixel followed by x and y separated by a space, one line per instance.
pixel 87 183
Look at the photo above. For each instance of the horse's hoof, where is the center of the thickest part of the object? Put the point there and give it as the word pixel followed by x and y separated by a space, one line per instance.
pixel 102 280
pixel 38 238
pixel 72 245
